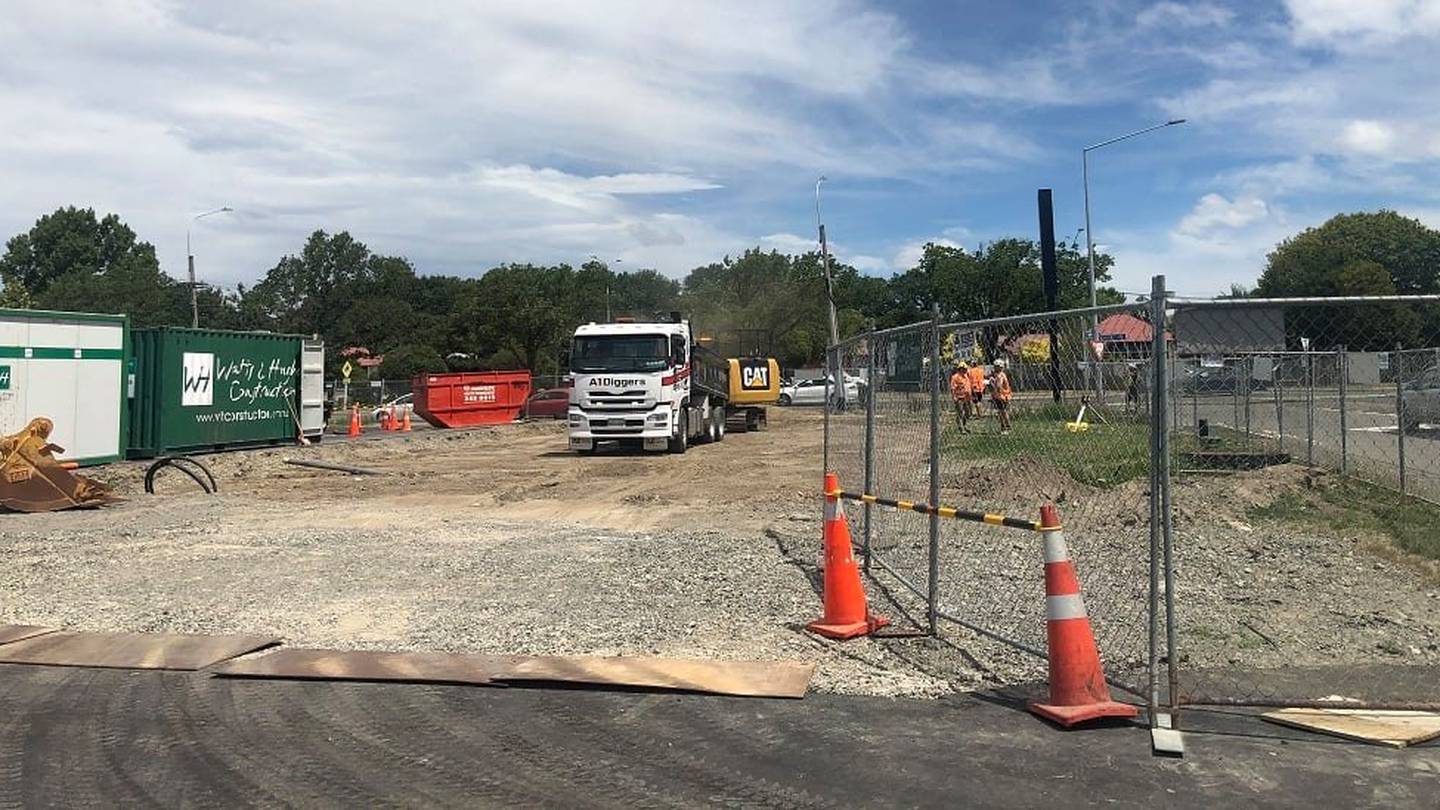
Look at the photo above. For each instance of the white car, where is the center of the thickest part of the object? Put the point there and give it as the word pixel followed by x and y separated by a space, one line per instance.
pixel 812 391
pixel 1421 401
pixel 403 404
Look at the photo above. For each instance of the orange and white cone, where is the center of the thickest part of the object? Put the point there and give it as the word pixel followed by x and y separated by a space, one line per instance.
pixel 354 422
pixel 405 423
pixel 1077 682
pixel 847 614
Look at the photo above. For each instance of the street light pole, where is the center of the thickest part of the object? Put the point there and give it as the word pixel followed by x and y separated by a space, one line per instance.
pixel 1089 232
pixel 825 265
pixel 834 371
pixel 190 261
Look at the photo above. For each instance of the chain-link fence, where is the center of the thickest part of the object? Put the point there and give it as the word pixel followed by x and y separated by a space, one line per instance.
pixel 1246 488
pixel 1307 451
pixel 987 416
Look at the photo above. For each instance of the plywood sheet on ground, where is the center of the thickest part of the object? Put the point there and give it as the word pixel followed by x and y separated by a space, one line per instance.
pixel 1393 728
pixel 360 665
pixel 743 678
pixel 130 650
pixel 18 632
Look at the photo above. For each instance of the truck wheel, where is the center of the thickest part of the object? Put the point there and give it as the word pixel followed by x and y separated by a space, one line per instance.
pixel 712 428
pixel 720 425
pixel 681 440
pixel 784 399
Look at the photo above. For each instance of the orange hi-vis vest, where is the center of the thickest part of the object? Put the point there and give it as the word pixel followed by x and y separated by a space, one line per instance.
pixel 1002 386
pixel 959 386
pixel 977 380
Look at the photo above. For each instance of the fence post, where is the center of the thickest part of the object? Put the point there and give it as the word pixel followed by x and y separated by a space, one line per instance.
pixel 1161 536
pixel 1342 362
pixel 869 434
pixel 1395 365
pixel 1235 395
pixel 1278 373
pixel 1159 294
pixel 1249 384
pixel 934 600
pixel 1309 408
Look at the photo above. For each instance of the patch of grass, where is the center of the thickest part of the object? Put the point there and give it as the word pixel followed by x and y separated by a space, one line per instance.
pixel 1107 455
pixel 1347 505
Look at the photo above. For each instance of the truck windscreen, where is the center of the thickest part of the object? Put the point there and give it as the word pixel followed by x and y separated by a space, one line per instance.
pixel 596 353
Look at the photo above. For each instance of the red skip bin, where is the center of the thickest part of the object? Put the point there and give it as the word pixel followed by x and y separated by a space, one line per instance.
pixel 465 399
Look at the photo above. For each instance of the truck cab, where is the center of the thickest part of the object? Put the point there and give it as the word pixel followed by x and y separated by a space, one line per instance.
pixel 644 384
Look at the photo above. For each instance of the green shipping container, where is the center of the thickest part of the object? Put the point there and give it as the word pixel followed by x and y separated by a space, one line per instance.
pixel 200 390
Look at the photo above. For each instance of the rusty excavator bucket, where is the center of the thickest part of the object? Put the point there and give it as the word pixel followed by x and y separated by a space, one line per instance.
pixel 31 480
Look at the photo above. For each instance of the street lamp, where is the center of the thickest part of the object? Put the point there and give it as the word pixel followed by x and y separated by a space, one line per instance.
pixel 190 259
pixel 1089 232
pixel 837 379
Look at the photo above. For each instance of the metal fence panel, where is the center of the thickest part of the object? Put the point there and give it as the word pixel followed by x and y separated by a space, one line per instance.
pixel 1306 552
pixel 1250 499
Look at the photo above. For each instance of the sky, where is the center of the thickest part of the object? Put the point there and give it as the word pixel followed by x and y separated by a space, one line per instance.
pixel 669 134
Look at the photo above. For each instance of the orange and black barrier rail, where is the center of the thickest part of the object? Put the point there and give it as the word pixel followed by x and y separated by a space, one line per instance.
pixel 944 511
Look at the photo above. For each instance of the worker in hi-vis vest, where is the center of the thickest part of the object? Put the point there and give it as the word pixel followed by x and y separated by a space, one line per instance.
pixel 1000 393
pixel 960 393
pixel 976 373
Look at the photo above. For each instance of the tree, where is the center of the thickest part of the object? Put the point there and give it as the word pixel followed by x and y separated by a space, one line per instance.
pixel 404 362
pixel 1380 253
pixel 1309 263
pixel 70 260
pixel 306 294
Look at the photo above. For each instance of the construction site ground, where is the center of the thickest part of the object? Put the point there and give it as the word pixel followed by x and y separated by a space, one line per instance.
pixel 499 540
pixel 92 737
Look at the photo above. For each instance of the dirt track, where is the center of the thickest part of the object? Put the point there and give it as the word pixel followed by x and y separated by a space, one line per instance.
pixel 494 539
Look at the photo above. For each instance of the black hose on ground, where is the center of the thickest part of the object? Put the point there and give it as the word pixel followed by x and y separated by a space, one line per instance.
pixel 185 465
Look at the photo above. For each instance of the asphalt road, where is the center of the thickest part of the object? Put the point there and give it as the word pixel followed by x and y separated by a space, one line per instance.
pixel 89 737
pixel 1371 443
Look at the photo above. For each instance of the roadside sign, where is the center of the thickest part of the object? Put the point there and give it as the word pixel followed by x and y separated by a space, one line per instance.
pixel 346 369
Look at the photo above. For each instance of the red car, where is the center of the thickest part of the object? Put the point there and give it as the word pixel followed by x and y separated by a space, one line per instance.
pixel 551 403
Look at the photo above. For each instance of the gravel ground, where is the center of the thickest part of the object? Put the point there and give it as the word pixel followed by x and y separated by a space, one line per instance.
pixel 500 541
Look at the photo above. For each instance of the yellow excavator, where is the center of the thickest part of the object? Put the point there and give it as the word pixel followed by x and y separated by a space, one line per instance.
pixel 32 480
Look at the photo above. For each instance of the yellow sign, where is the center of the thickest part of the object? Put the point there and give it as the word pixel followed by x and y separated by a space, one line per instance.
pixel 345 369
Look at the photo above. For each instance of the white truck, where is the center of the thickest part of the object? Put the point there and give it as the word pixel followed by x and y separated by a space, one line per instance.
pixel 648 384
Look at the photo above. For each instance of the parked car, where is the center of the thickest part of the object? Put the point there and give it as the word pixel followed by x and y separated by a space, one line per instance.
pixel 1219 380
pixel 1421 400
pixel 403 404
pixel 551 403
pixel 812 391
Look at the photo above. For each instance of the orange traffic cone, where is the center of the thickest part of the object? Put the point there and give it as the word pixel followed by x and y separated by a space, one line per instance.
pixel 405 424
pixel 354 422
pixel 390 423
pixel 846 613
pixel 1077 682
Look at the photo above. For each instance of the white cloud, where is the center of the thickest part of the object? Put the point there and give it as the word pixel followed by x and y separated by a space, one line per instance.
pixel 1214 212
pixel 1362 23
pixel 1193 15
pixel 791 243
pixel 909 254
pixel 1370 137
pixel 460 134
